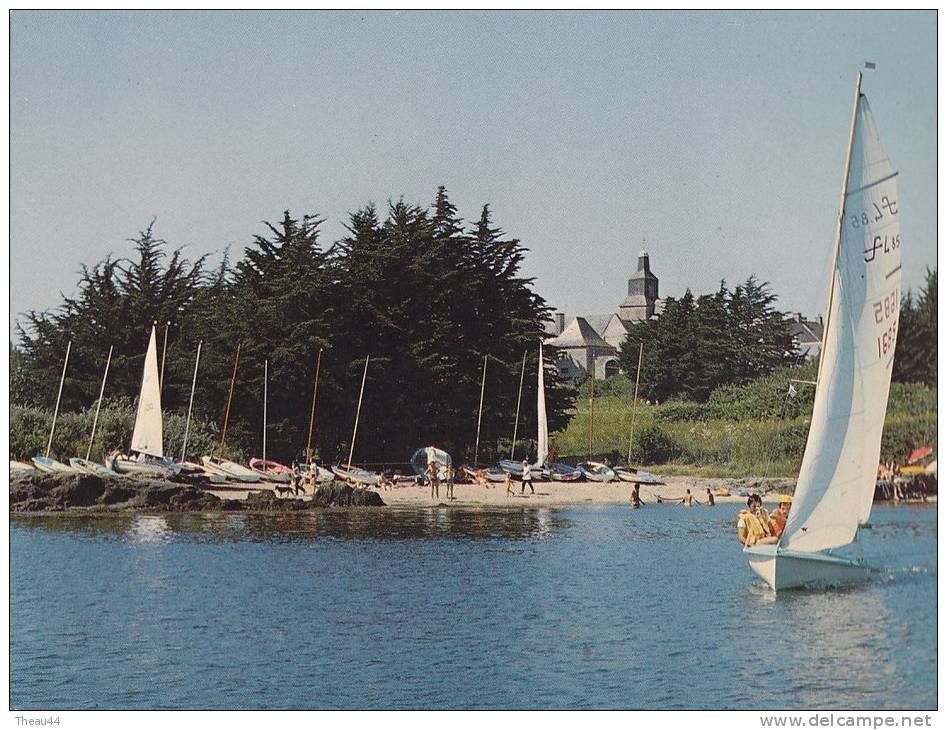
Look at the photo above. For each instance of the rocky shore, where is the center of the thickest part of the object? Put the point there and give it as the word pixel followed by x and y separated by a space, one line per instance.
pixel 87 493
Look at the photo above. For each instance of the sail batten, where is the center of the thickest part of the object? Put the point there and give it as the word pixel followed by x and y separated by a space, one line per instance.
pixel 147 437
pixel 837 477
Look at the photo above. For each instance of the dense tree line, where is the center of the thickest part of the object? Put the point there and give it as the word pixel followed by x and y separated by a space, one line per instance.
pixel 421 293
pixel 697 344
pixel 915 358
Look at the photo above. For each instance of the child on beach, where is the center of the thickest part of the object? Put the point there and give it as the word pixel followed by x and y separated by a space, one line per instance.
pixel 508 482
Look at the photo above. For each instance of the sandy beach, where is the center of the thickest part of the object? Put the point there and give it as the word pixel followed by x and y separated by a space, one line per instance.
pixel 560 493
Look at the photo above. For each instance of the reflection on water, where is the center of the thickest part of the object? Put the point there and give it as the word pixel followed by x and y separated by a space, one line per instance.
pixel 343 524
pixel 452 608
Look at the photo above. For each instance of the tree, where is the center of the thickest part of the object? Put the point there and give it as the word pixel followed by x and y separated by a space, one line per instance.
pixel 696 345
pixel 117 303
pixel 915 359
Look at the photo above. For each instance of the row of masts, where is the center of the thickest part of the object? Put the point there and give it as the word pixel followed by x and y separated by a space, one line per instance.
pixel 315 390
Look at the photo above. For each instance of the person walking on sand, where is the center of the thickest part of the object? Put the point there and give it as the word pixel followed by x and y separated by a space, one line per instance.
pixel 508 483
pixel 527 478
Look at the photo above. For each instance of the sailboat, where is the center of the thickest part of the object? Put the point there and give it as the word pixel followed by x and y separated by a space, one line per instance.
pixel 836 482
pixel 148 435
pixel 268 469
pixel 46 464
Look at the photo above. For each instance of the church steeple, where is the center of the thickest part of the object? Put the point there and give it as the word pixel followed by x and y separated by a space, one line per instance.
pixel 642 292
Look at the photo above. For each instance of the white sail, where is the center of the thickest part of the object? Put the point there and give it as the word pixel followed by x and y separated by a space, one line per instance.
pixel 542 426
pixel 147 438
pixel 837 477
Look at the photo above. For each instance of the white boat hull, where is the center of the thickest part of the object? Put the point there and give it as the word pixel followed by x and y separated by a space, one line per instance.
pixel 50 466
pixel 230 470
pixel 787 569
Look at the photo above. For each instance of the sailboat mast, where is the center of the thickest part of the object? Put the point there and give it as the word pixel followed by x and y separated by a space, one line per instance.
pixel 233 380
pixel 516 421
pixel 164 351
pixel 266 375
pixel 98 405
pixel 358 411
pixel 634 403
pixel 312 412
pixel 839 221
pixel 62 380
pixel 190 404
pixel 483 384
pixel 591 412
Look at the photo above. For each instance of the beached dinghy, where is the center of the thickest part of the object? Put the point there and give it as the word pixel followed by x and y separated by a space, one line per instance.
pixel 85 466
pixel 516 469
pixel 490 473
pixel 559 472
pixel 231 470
pixel 836 482
pixel 596 472
pixel 356 476
pixel 637 476
pixel 19 467
pixel 49 466
pixel 271 471
pixel 322 475
pixel 147 438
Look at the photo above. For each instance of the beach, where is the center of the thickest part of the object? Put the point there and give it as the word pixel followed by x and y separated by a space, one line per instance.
pixel 552 494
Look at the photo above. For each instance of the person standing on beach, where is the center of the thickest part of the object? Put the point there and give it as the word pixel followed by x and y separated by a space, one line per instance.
pixel 449 480
pixel 527 478
pixel 508 482
pixel 431 473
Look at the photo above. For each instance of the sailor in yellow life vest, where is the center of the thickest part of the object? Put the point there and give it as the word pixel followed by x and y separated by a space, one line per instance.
pixel 753 525
pixel 779 517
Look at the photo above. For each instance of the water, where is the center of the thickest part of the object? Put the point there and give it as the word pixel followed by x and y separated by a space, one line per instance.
pixel 586 607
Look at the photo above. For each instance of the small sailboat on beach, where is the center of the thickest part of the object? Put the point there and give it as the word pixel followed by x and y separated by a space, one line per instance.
pixel 349 473
pixel 836 482
pixel 148 435
pixel 269 470
pixel 45 463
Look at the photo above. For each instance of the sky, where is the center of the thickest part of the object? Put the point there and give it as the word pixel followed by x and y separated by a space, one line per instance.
pixel 714 140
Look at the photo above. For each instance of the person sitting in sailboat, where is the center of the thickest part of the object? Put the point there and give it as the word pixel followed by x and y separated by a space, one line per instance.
pixel 752 526
pixel 778 517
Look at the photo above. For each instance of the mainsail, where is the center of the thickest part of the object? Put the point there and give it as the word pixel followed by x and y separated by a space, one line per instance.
pixel 147 438
pixel 837 478
pixel 542 426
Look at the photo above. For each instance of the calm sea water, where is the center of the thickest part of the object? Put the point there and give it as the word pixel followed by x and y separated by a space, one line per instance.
pixel 587 607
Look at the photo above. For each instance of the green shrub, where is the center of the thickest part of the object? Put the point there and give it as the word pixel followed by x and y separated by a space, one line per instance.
pixel 652 445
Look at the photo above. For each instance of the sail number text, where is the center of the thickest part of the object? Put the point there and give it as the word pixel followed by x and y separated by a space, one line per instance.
pixel 878 243
pixel 886 308
pixel 878 212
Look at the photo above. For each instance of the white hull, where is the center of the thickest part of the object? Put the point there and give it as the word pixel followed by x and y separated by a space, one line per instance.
pixel 231 470
pixel 90 467
pixel 130 466
pixel 356 476
pixel 785 569
pixel 50 466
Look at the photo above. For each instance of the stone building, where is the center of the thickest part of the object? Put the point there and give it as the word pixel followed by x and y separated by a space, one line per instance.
pixel 589 343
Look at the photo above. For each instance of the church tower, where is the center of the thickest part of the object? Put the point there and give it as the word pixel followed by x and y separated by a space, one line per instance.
pixel 642 292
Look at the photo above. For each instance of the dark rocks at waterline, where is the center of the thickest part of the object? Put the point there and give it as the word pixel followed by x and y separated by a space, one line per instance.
pixel 339 494
pixel 58 492
pixel 43 492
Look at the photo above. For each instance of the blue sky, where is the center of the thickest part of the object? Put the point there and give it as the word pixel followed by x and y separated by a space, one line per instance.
pixel 716 138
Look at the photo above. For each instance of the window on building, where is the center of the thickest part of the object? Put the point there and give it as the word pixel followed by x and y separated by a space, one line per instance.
pixel 611 368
